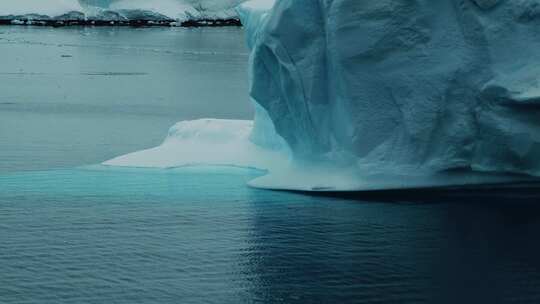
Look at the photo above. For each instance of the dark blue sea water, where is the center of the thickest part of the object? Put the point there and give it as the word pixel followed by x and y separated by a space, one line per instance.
pixel 75 232
pixel 100 235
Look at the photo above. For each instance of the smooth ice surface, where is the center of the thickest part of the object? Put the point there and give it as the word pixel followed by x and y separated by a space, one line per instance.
pixel 181 10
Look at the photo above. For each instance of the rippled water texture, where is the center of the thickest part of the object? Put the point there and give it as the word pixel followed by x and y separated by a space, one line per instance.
pixel 200 236
pixel 71 233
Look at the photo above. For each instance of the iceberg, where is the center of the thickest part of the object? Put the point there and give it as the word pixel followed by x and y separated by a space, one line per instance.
pixel 421 93
pixel 393 94
pixel 97 12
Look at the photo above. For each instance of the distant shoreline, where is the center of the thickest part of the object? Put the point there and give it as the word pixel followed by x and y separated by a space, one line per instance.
pixel 133 23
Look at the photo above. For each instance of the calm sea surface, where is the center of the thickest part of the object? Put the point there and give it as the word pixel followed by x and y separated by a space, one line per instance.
pixel 78 95
pixel 72 231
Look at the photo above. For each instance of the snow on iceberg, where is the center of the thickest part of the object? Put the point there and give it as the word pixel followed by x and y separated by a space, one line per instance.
pixel 376 95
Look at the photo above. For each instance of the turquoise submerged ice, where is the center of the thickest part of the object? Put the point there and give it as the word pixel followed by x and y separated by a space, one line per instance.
pixel 395 94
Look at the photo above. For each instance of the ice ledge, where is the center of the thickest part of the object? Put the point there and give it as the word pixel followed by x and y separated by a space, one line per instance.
pixel 206 142
pixel 217 142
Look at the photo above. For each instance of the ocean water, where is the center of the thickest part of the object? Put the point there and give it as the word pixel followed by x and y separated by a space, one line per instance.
pixel 79 95
pixel 72 231
pixel 199 235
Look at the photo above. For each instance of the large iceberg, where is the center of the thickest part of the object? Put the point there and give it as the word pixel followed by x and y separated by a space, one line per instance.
pixel 392 94
pixel 173 12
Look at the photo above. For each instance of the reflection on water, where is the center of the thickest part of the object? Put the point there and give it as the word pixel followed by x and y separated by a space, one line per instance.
pixel 202 236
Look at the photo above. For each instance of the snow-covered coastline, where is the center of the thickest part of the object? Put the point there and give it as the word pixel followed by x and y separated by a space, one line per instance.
pixel 119 12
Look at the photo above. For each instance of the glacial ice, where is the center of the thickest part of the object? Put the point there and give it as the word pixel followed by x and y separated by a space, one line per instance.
pixel 118 10
pixel 391 94
pixel 426 89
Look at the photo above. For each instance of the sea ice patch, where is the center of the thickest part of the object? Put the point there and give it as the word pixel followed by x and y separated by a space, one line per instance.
pixel 206 142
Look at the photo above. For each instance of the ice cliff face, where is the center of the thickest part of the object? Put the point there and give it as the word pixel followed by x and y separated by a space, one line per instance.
pixel 401 87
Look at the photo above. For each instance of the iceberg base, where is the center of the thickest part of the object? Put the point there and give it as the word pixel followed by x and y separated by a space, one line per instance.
pixel 216 142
